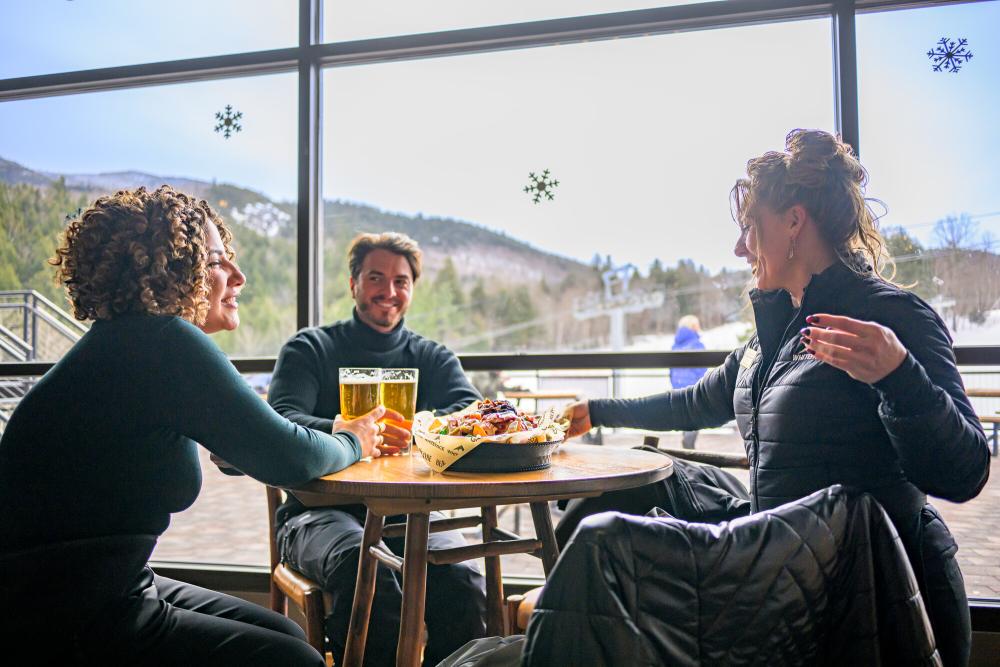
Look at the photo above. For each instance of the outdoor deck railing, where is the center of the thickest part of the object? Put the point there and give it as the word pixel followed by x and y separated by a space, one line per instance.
pixel 33 328
pixel 980 367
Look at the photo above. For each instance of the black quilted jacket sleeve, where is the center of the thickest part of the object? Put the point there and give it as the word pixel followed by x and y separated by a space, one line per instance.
pixel 929 419
pixel 707 403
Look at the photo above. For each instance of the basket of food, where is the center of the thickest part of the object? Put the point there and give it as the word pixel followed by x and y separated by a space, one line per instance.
pixel 488 436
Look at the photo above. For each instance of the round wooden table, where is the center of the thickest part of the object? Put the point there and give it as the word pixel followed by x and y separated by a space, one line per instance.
pixel 405 485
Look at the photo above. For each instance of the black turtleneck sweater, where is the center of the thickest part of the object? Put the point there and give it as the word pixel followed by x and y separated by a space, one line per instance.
pixel 305 387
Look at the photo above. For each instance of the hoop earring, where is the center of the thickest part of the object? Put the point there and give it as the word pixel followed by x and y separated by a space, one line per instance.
pixel 791 248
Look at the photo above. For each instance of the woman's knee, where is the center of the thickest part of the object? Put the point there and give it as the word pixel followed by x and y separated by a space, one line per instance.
pixel 285 626
pixel 261 617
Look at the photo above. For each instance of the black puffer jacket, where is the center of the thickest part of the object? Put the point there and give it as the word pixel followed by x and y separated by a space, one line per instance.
pixel 822 581
pixel 807 425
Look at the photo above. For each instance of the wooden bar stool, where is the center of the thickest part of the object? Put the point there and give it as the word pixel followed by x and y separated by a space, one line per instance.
pixel 288 584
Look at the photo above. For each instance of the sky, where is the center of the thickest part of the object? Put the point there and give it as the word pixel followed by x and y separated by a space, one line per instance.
pixel 645 135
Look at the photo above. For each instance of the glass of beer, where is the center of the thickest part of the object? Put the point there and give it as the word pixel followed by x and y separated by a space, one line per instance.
pixel 358 391
pixel 398 391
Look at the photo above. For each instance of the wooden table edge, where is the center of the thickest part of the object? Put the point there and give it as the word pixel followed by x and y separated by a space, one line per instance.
pixel 326 493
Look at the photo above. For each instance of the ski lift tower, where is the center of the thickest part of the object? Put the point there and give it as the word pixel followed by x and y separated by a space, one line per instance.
pixel 615 302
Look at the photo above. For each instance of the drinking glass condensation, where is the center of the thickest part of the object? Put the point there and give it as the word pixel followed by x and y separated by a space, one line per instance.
pixel 398 391
pixel 358 391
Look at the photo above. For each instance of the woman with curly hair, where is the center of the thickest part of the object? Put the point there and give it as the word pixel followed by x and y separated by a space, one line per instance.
pixel 102 450
pixel 849 379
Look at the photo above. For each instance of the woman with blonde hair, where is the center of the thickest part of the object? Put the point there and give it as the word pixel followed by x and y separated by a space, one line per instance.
pixel 849 378
pixel 103 449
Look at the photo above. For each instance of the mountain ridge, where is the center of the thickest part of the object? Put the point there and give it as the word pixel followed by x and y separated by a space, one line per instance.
pixel 475 249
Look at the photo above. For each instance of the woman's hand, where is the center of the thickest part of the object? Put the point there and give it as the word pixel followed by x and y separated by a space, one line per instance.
pixel 867 351
pixel 368 429
pixel 578 415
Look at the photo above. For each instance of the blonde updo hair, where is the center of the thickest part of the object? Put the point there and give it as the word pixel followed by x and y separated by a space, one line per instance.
pixel 139 252
pixel 820 172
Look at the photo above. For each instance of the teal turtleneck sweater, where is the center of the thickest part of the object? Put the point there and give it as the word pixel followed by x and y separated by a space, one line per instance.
pixel 105 443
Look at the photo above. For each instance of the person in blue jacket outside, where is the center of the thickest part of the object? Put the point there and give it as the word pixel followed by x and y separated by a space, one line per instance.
pixel 688 337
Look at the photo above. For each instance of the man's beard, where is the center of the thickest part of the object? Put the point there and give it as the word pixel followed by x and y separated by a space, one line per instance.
pixel 368 308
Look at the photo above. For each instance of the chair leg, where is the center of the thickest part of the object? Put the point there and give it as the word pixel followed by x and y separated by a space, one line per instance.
pixel 494 581
pixel 544 531
pixel 315 614
pixel 364 592
pixel 278 600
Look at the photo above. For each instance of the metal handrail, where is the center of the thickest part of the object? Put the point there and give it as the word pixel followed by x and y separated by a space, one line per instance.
pixel 58 326
pixel 36 308
pixel 26 349
pixel 12 351
pixel 40 298
pixel 59 311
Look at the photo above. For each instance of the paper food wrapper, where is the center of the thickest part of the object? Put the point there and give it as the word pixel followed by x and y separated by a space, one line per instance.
pixel 440 451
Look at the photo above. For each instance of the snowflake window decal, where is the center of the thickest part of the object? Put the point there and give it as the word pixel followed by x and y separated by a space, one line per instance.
pixel 541 186
pixel 229 121
pixel 949 55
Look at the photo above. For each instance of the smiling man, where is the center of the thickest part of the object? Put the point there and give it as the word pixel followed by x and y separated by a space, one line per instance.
pixel 324 544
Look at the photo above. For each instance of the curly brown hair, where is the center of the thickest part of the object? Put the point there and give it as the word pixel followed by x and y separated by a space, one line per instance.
pixel 139 252
pixel 820 172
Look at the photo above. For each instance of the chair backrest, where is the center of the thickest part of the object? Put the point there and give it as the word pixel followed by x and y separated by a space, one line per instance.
pixel 823 580
pixel 718 459
pixel 274 498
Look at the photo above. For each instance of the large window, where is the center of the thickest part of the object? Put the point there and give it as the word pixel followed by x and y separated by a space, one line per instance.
pixel 644 152
pixel 440 136
pixel 73 149
pixel 931 142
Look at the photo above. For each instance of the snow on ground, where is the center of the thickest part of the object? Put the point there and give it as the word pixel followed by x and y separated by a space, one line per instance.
pixel 726 337
pixel 969 333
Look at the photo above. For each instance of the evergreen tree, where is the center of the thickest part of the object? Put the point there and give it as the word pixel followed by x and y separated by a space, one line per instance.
pixel 914 269
pixel 449 285
pixel 656 272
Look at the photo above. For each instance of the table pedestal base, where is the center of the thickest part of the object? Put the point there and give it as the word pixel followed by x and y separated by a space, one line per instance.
pixel 413 565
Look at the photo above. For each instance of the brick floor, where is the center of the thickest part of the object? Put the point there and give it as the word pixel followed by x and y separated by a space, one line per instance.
pixel 228 523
